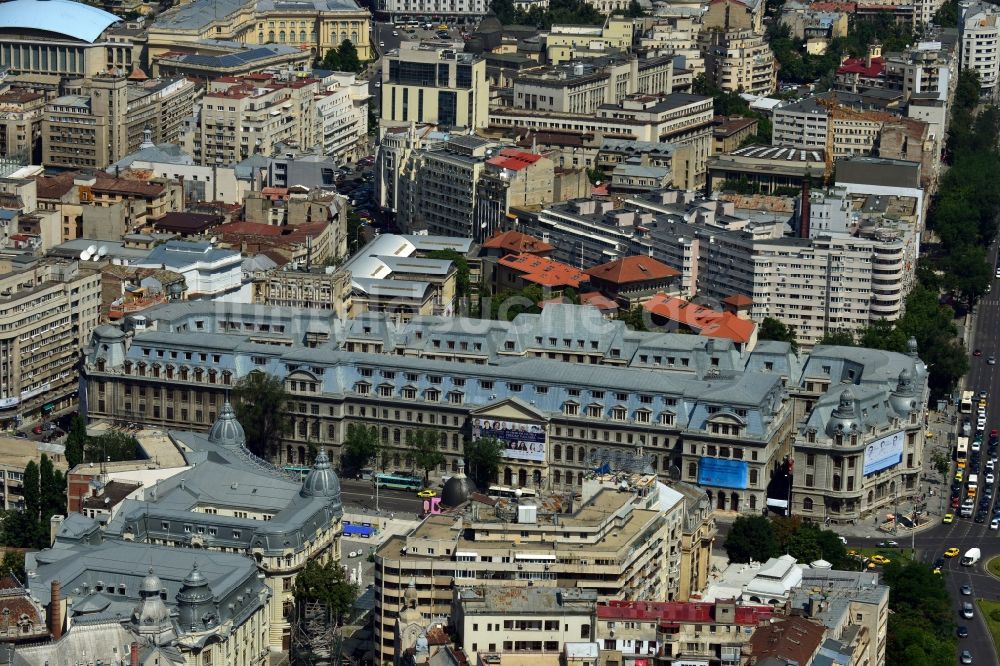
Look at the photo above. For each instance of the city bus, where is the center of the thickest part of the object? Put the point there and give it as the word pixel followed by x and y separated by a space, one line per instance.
pixel 965 406
pixel 504 491
pixel 298 471
pixel 962 448
pixel 399 481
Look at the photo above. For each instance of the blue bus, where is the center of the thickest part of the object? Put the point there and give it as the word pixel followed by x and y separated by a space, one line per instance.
pixel 399 481
pixel 298 471
pixel 364 531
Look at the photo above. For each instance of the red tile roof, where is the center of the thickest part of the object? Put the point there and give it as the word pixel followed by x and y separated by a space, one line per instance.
pixel 846 7
pixel 544 271
pixel 513 159
pixel 738 300
pixel 632 269
pixel 708 322
pixel 791 638
pixel 599 301
pixel 515 242
pixel 675 612
pixel 861 66
pixel 55 187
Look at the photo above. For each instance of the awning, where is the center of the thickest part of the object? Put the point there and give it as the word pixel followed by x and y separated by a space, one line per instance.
pixel 49 407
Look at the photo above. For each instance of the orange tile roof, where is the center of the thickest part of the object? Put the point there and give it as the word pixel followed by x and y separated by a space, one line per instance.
pixel 598 300
pixel 544 271
pixel 708 322
pixel 633 269
pixel 515 242
pixel 513 159
pixel 738 300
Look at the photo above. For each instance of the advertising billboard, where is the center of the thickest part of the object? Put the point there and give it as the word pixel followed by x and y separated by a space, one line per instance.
pixel 521 441
pixel 724 473
pixel 883 453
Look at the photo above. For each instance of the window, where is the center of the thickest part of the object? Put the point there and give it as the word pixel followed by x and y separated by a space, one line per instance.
pixel 619 413
pixel 807 504
pixel 571 409
pixel 594 411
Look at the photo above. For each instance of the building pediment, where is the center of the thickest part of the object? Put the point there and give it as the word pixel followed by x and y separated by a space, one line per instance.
pixel 510 408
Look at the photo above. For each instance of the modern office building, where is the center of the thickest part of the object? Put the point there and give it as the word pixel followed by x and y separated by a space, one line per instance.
pixel 48 310
pixel 434 84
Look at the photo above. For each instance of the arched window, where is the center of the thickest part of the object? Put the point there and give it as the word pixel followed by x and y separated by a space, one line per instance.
pixel 522 477
pixel 354 38
pixel 343 37
pixel 270 35
pixel 753 502
pixel 302 455
pixel 579 478
pixel 454 465
pixel 385 434
pixel 395 435
pixel 753 477
pixel 281 36
pixel 692 470
pixel 807 504
pixel 583 454
pixel 260 37
pixel 557 452
pixel 836 482
pixel 302 35
pixel 569 454
pixel 556 477
pixel 508 476
pixel 536 478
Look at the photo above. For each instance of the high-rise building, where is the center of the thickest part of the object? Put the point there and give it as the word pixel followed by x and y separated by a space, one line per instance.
pixel 979 42
pixel 739 61
pixel 428 83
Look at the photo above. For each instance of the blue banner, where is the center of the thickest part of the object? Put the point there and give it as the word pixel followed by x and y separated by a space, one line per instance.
pixel 723 473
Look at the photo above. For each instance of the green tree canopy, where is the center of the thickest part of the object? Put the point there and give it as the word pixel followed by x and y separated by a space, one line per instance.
pixel 772 329
pixel 482 460
pixel 426 451
pixel 325 582
pixel 260 406
pixel 347 54
pixel 111 446
pixel 361 447
pixel 838 337
pixel 751 538
pixel 76 440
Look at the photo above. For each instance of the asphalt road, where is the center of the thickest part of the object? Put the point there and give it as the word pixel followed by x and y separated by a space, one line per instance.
pixel 362 494
pixel 964 533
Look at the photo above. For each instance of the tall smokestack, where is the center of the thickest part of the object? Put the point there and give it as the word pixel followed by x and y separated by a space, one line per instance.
pixel 134 654
pixel 804 209
pixel 55 611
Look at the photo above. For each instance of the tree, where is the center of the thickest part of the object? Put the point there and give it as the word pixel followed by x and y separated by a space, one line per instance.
pixel 921 630
pixel 13 565
pixel 111 446
pixel 348 55
pixel 504 10
pixel 838 337
pixel 482 460
pixel 260 408
pixel 751 538
pixel 361 446
pixel 76 440
pixel 968 271
pixel 883 335
pixel 331 60
pixel 772 329
pixel 31 490
pixel 52 489
pixel 635 318
pixel 425 451
pixel 326 583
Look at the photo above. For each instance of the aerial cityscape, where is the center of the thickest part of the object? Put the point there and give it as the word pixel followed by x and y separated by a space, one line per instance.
pixel 499 333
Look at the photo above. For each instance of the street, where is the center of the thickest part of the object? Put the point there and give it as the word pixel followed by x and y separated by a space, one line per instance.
pixel 360 493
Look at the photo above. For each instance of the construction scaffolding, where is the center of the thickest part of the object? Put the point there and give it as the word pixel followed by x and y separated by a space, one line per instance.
pixel 315 638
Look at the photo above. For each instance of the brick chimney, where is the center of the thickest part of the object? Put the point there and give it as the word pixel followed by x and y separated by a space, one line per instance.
pixel 55 612
pixel 804 209
pixel 134 654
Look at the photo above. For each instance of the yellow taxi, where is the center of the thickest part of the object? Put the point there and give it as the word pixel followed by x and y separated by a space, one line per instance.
pixel 427 492
pixel 948 518
pixel 880 559
pixel 961 463
pixel 960 476
pixel 952 552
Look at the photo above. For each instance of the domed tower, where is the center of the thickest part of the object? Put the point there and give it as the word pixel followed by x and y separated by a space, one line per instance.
pixel 322 481
pixel 457 490
pixel 903 399
pixel 108 346
pixel 843 419
pixel 227 431
pixel 151 619
pixel 195 602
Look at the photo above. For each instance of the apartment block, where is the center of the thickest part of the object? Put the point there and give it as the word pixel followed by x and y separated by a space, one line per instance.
pixel 244 116
pixel 739 60
pixel 341 112
pixel 559 542
pixel 928 70
pixel 979 42
pixel 735 15
pixel 48 309
pixel 450 11
pixel 511 178
pixel 21 114
pixel 568 42
pixel 426 83
pixel 101 120
pixel 675 33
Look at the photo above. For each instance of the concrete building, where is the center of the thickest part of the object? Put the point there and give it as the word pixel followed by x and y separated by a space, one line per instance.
pixel 735 15
pixel 341 110
pixel 16 453
pixel 675 32
pixel 766 168
pixel 210 183
pixel 210 273
pixel 568 42
pixel 316 26
pixel 739 60
pixel 463 11
pixel 105 599
pixel 679 118
pixel 583 86
pixel 979 42
pixel 564 538
pixel 49 309
pixel 427 83
pixel 105 118
pixel 215 59
pixel 21 114
pixel 241 116
pixel 927 71
pixel 511 178
pixel 540 620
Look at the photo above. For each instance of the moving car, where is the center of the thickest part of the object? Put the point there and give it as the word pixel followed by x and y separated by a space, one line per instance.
pixel 966 657
pixel 427 492
pixel 971 557
pixel 967 610
pixel 963 631
pixel 966 590
pixel 948 518
pixel 992 360
pixel 952 552
pixel 888 544
pixel 880 559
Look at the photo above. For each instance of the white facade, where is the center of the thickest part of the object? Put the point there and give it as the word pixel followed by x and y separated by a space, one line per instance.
pixel 220 183
pixel 436 8
pixel 342 117
pixel 210 274
pixel 979 49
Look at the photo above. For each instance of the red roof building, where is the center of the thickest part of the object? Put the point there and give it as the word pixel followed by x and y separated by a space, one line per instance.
pixel 513 159
pixel 516 271
pixel 793 639
pixel 503 243
pixel 633 280
pixel 702 320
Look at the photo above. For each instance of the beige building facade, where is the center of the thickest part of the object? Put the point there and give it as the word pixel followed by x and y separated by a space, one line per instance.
pixel 739 61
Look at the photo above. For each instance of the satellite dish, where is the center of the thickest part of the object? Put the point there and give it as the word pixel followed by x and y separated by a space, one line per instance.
pixel 215 239
pixel 92 250
pixel 102 251
pixel 85 255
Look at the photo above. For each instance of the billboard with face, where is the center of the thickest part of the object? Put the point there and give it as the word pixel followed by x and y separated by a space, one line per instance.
pixel 520 441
